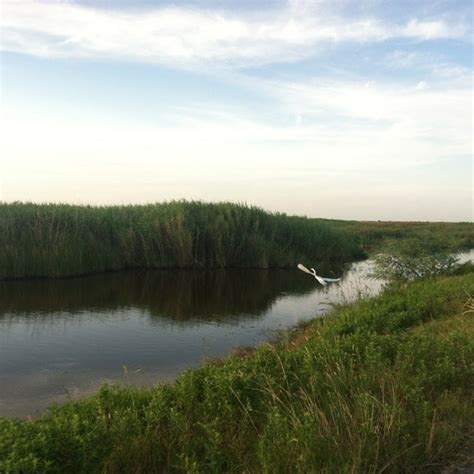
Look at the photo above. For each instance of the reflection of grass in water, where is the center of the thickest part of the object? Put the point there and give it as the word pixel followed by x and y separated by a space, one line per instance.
pixel 173 294
pixel 384 385
pixel 57 240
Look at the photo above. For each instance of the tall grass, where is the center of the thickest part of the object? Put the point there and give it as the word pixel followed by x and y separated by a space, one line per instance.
pixel 384 385
pixel 58 240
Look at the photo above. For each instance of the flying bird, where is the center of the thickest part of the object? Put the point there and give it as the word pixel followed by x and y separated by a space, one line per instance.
pixel 324 281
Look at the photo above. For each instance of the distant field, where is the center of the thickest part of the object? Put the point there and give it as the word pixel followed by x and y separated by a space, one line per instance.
pixel 53 240
pixel 375 236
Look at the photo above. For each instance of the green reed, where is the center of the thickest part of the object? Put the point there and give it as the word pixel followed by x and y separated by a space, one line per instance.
pixel 57 240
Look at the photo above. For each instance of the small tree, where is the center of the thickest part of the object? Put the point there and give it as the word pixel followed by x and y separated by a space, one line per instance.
pixel 413 259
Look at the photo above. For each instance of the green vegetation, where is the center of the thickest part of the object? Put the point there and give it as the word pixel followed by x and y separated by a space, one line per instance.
pixel 378 236
pixel 414 258
pixel 60 240
pixel 56 240
pixel 383 385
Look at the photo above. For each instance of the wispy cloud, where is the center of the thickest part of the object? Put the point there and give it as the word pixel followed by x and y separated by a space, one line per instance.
pixel 188 37
pixel 352 172
pixel 416 122
pixel 336 127
pixel 357 150
pixel 435 65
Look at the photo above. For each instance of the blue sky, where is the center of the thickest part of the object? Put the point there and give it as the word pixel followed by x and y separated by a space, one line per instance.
pixel 339 109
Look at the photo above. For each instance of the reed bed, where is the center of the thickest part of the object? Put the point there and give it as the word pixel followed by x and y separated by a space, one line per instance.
pixel 56 240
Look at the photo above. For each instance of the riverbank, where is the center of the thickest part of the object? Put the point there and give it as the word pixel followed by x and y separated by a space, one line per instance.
pixel 54 240
pixel 382 384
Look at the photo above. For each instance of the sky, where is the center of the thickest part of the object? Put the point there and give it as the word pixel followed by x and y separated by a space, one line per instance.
pixel 338 109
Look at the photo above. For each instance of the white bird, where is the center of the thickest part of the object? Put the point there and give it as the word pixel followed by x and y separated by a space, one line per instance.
pixel 324 281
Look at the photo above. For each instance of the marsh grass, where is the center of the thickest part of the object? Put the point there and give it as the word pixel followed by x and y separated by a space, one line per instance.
pixel 382 385
pixel 380 236
pixel 58 240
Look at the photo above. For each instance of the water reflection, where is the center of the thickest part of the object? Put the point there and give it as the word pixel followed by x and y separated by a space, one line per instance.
pixel 63 338
pixel 177 295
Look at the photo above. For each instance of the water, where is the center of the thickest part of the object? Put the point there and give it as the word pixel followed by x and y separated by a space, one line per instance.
pixel 62 339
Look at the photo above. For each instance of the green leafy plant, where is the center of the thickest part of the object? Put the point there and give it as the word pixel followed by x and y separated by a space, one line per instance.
pixel 414 259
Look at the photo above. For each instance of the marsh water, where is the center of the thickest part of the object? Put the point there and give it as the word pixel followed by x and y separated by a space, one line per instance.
pixel 62 339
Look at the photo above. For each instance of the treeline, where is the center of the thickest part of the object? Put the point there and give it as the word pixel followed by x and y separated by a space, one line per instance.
pixel 55 240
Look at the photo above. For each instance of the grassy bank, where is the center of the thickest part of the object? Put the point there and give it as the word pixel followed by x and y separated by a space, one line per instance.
pixel 379 236
pixel 383 385
pixel 59 240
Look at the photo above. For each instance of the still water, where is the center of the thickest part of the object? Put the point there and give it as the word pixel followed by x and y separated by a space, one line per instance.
pixel 61 339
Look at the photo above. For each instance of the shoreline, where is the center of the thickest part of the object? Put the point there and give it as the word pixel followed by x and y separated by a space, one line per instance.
pixel 356 346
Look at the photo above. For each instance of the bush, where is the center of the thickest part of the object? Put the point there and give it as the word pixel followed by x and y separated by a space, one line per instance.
pixel 414 259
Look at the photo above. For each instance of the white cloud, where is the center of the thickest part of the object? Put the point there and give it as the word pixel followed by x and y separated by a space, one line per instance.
pixel 434 65
pixel 428 30
pixel 422 116
pixel 188 37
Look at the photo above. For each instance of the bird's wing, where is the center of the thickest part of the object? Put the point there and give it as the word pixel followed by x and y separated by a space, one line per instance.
pixel 320 279
pixel 331 279
pixel 304 269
